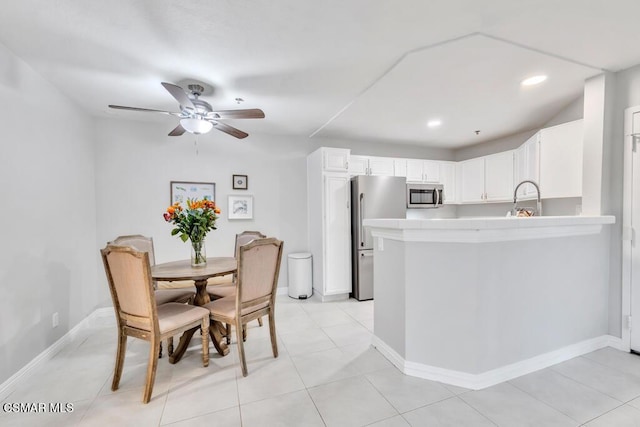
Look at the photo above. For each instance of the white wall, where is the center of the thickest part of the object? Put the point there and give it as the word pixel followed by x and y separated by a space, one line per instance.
pixel 136 162
pixel 627 94
pixel 48 261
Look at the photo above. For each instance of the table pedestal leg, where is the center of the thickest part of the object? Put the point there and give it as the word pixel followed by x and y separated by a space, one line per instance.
pixel 201 298
pixel 185 339
pixel 216 337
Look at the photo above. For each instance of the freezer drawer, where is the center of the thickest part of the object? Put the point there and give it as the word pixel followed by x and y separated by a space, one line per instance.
pixel 363 286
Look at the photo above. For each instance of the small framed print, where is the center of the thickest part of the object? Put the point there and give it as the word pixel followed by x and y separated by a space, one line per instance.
pixel 240 207
pixel 240 182
pixel 183 190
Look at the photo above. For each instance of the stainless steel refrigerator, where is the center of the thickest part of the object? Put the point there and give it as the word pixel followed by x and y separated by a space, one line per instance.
pixel 371 197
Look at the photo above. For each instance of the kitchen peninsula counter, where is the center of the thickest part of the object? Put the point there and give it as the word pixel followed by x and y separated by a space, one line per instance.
pixel 477 301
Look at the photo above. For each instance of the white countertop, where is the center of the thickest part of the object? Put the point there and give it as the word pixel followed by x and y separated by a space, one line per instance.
pixel 487 229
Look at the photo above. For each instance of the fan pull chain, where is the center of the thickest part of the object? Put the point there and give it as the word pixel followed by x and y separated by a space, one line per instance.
pixel 195 144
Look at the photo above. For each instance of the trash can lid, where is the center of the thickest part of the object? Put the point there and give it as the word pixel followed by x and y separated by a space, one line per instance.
pixel 300 255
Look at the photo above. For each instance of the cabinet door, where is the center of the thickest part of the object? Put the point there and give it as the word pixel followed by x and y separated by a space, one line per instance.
pixel 561 160
pixel 521 169
pixel 532 148
pixel 498 176
pixel 472 180
pixel 400 167
pixel 382 166
pixel 415 171
pixel 358 165
pixel 431 171
pixel 335 159
pixel 448 180
pixel 337 235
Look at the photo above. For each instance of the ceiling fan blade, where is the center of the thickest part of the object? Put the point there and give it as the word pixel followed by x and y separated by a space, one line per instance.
pixel 121 107
pixel 253 113
pixel 230 130
pixel 179 94
pixel 179 130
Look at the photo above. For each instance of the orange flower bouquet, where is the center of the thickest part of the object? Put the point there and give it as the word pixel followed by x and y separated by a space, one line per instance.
pixel 193 224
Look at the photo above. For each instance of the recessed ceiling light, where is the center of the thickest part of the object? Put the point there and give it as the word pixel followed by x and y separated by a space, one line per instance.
pixel 434 123
pixel 534 80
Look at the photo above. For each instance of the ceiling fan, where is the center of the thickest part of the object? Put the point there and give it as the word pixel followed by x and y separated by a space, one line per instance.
pixel 197 116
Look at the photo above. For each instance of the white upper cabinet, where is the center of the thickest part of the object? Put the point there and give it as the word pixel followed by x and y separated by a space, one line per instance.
pixel 448 180
pixel 527 167
pixel 498 177
pixel 381 166
pixel 358 165
pixel 400 167
pixel 368 165
pixel 561 160
pixel 487 179
pixel 472 180
pixel 335 159
pixel 423 170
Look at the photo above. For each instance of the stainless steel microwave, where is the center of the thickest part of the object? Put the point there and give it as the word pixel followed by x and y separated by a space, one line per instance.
pixel 422 196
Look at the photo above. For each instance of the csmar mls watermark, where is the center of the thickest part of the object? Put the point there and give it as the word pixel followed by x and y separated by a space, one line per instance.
pixel 37 407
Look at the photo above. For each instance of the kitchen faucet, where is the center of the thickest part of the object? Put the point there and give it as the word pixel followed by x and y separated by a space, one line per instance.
pixel 515 198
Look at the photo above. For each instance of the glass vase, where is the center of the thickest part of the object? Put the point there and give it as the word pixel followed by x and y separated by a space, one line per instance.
pixel 198 254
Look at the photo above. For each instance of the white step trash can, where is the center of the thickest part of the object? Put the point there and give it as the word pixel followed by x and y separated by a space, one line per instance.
pixel 300 275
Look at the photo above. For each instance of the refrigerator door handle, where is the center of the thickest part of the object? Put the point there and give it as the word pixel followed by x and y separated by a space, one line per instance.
pixel 360 217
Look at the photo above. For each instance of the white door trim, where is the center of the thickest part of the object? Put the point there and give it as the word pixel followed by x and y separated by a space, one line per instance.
pixel 627 214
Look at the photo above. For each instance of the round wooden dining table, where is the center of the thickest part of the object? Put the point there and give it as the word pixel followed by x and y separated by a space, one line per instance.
pixel 182 270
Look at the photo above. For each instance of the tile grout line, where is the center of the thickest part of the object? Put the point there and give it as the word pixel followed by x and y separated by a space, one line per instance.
pixel 545 403
pixel 586 385
pixel 477 410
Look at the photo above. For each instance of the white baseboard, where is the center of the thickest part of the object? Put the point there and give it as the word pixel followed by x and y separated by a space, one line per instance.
pixel 283 290
pixel 495 376
pixel 8 386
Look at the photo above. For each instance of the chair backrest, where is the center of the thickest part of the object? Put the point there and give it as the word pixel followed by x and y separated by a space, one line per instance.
pixel 244 238
pixel 129 276
pixel 138 242
pixel 258 270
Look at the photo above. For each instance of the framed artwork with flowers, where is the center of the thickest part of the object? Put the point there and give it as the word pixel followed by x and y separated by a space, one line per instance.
pixel 183 190
pixel 240 207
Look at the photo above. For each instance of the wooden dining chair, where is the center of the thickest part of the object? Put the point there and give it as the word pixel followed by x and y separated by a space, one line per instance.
pixel 229 290
pixel 137 315
pixel 257 281
pixel 162 296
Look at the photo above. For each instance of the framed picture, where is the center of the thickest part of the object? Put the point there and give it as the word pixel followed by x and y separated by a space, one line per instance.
pixel 240 207
pixel 183 190
pixel 240 182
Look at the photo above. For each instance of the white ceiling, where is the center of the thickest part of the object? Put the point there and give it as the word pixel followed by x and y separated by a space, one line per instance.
pixel 357 69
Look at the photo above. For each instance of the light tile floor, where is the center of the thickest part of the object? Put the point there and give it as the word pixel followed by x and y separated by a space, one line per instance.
pixel 327 374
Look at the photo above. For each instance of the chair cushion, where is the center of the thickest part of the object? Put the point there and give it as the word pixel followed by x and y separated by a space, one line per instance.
pixel 226 307
pixel 173 315
pixel 220 291
pixel 164 296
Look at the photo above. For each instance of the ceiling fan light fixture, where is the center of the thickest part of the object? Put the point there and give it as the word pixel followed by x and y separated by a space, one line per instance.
pixel 531 81
pixel 196 126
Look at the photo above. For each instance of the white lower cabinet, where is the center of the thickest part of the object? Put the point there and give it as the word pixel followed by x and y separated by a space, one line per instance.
pixel 337 235
pixel 329 225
